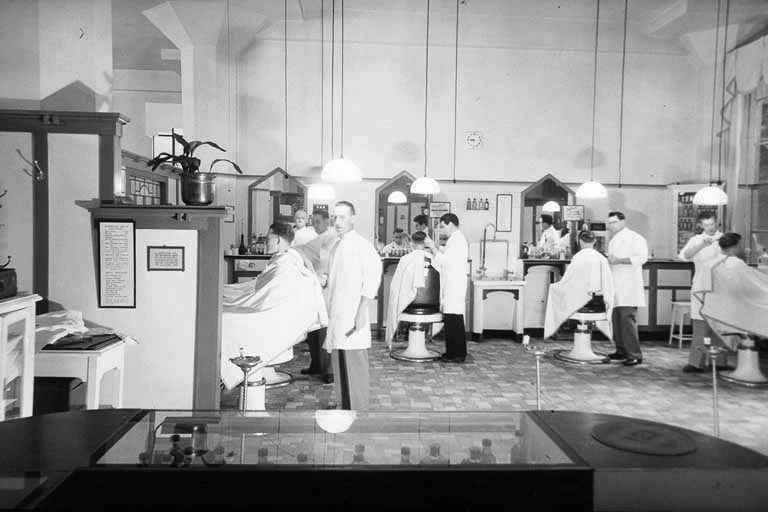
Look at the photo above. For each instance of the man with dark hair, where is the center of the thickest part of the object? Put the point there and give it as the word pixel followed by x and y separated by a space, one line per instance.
pixel 451 262
pixel 627 253
pixel 353 282
pixel 549 235
pixel 399 245
pixel 700 249
pixel 279 238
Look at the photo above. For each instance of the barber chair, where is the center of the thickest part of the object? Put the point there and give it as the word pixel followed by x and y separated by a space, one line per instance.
pixel 275 378
pixel 422 311
pixel 582 353
pixel 747 372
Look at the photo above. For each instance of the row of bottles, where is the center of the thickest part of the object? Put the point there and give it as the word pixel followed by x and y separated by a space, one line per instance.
pixel 478 204
pixel 258 245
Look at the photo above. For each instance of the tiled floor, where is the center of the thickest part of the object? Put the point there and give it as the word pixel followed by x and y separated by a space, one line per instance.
pixel 500 375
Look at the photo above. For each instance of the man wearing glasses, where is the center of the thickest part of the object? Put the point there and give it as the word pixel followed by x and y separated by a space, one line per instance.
pixel 627 253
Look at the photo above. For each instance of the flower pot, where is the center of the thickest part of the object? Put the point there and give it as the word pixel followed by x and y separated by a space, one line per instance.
pixel 198 189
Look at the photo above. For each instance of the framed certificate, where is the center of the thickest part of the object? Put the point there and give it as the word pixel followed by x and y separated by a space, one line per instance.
pixel 439 208
pixel 503 212
pixel 573 212
pixel 117 263
pixel 163 257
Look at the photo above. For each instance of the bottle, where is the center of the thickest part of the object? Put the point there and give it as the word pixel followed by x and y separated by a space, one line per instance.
pixel 263 453
pixel 486 456
pixel 474 203
pixel 474 456
pixel 434 456
pixel 254 248
pixel 242 249
pixel 469 204
pixel 301 458
pixel 405 455
pixel 487 204
pixel 359 456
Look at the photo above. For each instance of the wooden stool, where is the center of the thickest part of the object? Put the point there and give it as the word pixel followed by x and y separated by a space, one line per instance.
pixel 679 311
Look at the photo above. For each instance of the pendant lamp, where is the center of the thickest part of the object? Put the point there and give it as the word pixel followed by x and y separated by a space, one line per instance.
pixel 593 189
pixel 550 206
pixel 713 194
pixel 397 197
pixel 339 170
pixel 425 185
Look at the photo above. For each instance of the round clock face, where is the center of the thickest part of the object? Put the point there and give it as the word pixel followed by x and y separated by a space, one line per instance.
pixel 474 139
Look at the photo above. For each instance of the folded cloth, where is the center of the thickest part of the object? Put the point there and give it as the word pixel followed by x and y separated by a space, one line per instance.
pixel 408 277
pixel 51 327
pixel 267 316
pixel 589 273
pixel 734 299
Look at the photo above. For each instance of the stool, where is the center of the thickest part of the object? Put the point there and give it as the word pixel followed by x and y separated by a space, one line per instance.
pixel 747 372
pixel 679 311
pixel 582 353
pixel 417 348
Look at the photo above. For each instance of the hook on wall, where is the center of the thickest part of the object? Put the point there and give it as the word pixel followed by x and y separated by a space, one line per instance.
pixel 37 173
pixel 8 262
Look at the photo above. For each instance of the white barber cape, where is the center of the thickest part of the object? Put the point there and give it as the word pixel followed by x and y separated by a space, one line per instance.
pixel 549 239
pixel 303 235
pixel 354 271
pixel 267 316
pixel 628 279
pixel 409 276
pixel 734 298
pixel 589 272
pixel 451 263
pixel 699 260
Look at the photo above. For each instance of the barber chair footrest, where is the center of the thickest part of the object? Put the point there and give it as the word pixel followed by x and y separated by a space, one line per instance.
pixel 568 356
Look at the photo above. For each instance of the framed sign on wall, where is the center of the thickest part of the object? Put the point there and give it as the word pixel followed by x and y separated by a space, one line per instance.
pixel 163 257
pixel 117 263
pixel 573 212
pixel 439 208
pixel 504 212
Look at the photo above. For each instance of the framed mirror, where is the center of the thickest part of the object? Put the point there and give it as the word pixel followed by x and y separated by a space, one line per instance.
pixel 389 215
pixel 274 197
pixel 532 204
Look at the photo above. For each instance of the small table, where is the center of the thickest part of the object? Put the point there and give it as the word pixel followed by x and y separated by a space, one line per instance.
pixel 481 289
pixel 90 366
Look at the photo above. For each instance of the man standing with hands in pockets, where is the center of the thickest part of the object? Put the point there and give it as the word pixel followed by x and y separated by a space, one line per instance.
pixel 353 282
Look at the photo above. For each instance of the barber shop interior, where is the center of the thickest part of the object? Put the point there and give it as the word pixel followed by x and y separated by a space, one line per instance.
pixel 517 249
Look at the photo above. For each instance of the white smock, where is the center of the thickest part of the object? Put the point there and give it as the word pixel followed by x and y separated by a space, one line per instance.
pixel 354 272
pixel 549 239
pixel 628 279
pixel 699 260
pixel 303 235
pixel 408 278
pixel 451 263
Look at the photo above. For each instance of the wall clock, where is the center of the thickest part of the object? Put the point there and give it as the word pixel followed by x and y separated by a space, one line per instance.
pixel 474 140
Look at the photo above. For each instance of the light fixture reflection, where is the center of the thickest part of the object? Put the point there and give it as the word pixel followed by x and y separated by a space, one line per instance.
pixel 591 190
pixel 397 197
pixel 335 421
pixel 425 186
pixel 341 170
pixel 711 195
pixel 551 206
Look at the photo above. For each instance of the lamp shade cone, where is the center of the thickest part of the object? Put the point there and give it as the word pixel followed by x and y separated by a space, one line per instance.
pixel 711 195
pixel 551 206
pixel 397 197
pixel 320 192
pixel 341 170
pixel 425 186
pixel 591 190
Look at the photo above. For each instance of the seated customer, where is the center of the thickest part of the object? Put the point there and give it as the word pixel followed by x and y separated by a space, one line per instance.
pixel 267 316
pixel 586 279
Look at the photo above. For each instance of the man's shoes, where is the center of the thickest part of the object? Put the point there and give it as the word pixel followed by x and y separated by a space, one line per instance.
pixel 309 371
pixel 445 359
pixel 726 368
pixel 328 379
pixel 632 362
pixel 689 368
pixel 616 356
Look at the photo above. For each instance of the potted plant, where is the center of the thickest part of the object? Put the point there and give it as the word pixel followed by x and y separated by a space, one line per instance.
pixel 197 188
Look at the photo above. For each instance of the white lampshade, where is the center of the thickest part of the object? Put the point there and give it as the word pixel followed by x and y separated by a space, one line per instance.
pixel 425 186
pixel 335 421
pixel 320 192
pixel 341 170
pixel 711 195
pixel 591 190
pixel 397 197
pixel 550 206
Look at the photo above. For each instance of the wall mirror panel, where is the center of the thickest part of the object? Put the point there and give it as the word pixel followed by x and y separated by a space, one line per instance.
pixel 389 215
pixel 532 203
pixel 274 197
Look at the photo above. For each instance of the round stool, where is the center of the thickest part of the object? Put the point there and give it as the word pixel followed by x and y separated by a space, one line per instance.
pixel 582 353
pixel 275 378
pixel 679 311
pixel 747 372
pixel 417 349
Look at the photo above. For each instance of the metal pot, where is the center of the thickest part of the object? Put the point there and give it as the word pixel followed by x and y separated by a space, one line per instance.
pixel 198 189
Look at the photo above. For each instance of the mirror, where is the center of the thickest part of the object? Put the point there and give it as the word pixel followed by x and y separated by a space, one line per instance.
pixel 391 216
pixel 532 201
pixel 274 197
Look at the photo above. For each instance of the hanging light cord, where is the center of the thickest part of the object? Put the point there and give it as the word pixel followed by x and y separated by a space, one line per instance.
pixel 333 71
pixel 426 90
pixel 341 148
pixel 621 100
pixel 714 94
pixel 285 81
pixel 722 98
pixel 594 97
pixel 322 77
pixel 455 87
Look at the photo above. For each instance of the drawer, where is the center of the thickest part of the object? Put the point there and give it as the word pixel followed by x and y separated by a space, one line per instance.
pixel 251 265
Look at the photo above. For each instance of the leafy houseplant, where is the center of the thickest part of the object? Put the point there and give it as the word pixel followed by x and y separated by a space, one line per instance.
pixel 197 187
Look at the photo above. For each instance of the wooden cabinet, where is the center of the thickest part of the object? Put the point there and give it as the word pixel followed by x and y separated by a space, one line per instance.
pixel 17 355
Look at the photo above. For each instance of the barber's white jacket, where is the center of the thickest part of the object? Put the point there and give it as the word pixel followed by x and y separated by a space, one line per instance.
pixel 354 271
pixel 628 279
pixel 452 265
pixel 699 260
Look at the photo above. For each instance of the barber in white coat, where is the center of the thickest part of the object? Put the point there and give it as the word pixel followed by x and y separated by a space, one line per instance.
pixel 627 253
pixel 354 276
pixel 451 262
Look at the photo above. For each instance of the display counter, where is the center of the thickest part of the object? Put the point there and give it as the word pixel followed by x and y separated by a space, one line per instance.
pixel 246 266
pixel 346 460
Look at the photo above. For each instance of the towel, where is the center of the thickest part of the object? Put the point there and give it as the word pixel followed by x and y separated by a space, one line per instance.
pixel 409 276
pixel 734 299
pixel 589 272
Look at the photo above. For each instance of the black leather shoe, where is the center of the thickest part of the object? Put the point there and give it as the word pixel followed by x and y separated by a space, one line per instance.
pixel 309 371
pixel 445 359
pixel 632 362
pixel 616 356
pixel 328 379
pixel 689 368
